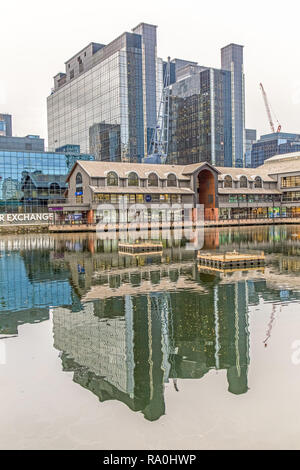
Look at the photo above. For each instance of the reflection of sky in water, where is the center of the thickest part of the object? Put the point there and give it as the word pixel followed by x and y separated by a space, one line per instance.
pixel 128 326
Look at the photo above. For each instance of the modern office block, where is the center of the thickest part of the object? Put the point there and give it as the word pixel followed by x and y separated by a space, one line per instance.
pixel 27 143
pixel 273 144
pixel 106 99
pixel 149 64
pixel 200 117
pixel 232 60
pixel 250 138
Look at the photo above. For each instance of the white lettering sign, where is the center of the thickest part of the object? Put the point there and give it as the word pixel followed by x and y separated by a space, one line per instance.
pixel 25 219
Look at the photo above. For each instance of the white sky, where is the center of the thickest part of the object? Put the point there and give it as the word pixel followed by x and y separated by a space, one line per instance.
pixel 37 37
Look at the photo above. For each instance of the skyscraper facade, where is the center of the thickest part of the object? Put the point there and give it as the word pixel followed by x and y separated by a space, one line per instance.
pixel 250 138
pixel 200 116
pixel 106 99
pixel 232 60
pixel 149 66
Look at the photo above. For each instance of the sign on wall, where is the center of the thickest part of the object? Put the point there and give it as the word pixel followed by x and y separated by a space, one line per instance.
pixel 26 219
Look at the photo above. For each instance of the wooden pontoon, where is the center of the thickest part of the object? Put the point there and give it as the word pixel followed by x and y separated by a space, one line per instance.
pixel 231 260
pixel 141 248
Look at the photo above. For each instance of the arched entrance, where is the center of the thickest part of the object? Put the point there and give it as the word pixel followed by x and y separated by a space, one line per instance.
pixel 207 187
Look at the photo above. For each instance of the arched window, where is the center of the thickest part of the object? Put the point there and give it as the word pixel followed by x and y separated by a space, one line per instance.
pixel 228 181
pixel 133 179
pixel 172 180
pixel 243 182
pixel 54 188
pixel 258 182
pixel 152 179
pixel 79 178
pixel 112 179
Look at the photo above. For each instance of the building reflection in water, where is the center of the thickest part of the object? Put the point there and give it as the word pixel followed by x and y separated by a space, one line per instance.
pixel 29 284
pixel 126 326
pixel 127 347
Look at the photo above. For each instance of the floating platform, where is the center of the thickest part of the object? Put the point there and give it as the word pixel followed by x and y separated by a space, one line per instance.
pixel 231 260
pixel 141 248
pixel 228 273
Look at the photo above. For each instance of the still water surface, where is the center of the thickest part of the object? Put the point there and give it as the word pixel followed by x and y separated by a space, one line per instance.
pixel 105 351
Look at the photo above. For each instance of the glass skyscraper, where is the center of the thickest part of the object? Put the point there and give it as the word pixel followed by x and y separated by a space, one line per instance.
pixel 106 99
pixel 232 60
pixel 250 139
pixel 200 117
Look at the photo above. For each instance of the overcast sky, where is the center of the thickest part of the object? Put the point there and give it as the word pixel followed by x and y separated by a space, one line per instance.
pixel 37 37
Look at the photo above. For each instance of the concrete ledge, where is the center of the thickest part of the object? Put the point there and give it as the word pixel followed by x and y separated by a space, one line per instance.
pixel 6 229
pixel 208 223
pixel 245 222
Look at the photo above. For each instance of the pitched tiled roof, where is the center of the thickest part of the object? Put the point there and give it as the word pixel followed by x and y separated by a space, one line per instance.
pixel 289 163
pixel 139 190
pixel 251 173
pixel 100 169
pixel 283 157
pixel 248 191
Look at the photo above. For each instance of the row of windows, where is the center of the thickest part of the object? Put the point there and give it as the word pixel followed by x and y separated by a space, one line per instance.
pixel 112 179
pixel 228 182
pixel 135 198
pixel 248 198
pixel 291 196
pixel 290 181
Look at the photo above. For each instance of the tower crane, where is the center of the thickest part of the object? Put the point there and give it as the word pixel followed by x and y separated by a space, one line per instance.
pixel 268 109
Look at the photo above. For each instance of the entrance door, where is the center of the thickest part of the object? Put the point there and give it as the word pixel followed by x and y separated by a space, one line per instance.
pixel 207 194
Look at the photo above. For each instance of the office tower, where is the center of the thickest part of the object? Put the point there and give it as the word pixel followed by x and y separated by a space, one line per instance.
pixel 29 142
pixel 250 138
pixel 200 116
pixel 180 64
pixel 232 60
pixel 149 65
pixel 277 143
pixel 5 125
pixel 106 99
